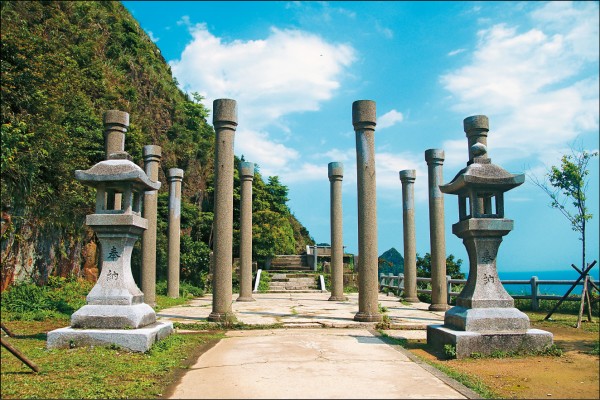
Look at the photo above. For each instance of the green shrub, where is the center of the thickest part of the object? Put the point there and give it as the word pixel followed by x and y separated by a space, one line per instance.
pixel 25 297
pixel 265 281
pixel 186 289
pixel 60 298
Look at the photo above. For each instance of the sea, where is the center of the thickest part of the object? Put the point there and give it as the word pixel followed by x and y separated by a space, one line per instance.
pixel 570 275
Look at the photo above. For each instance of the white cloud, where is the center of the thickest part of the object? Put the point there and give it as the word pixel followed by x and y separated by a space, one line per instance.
pixel 152 37
pixel 388 167
pixel 539 87
pixel 290 71
pixel 257 147
pixel 455 52
pixel 389 119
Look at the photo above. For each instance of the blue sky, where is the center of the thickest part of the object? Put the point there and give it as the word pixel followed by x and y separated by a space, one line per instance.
pixel 296 67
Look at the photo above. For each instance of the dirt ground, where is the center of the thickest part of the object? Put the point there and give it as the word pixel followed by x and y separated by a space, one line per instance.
pixel 574 375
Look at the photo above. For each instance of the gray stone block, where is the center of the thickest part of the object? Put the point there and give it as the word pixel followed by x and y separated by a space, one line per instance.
pixel 486 319
pixel 113 316
pixel 139 340
pixel 469 342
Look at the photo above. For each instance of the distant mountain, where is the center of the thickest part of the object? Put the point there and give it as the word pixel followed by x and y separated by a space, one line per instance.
pixel 391 262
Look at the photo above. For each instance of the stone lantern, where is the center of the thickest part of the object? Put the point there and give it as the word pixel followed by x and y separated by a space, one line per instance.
pixel 484 319
pixel 115 311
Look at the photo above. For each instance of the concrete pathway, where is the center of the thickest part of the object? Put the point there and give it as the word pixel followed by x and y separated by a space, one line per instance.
pixel 348 362
pixel 308 364
pixel 308 310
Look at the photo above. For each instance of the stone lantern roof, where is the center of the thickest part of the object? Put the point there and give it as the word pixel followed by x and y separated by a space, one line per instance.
pixel 117 171
pixel 482 175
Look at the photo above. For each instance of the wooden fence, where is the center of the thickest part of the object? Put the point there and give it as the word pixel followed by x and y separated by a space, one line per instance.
pixel 387 281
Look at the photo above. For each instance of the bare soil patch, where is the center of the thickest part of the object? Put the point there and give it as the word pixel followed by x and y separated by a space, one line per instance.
pixel 574 375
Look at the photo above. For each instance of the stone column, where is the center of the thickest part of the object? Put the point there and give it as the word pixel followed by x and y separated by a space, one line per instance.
pixel 246 178
pixel 364 121
pixel 336 173
pixel 435 160
pixel 152 156
pixel 175 177
pixel 407 177
pixel 225 123
pixel 115 126
pixel 476 128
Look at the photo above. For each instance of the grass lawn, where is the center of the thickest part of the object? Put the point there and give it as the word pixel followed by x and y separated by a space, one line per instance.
pixel 94 372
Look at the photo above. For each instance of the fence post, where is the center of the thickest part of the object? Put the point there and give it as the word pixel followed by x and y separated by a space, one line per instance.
pixel 448 287
pixel 534 293
pixel 400 284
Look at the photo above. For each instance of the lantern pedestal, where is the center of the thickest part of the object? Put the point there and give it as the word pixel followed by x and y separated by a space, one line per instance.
pixel 115 312
pixel 485 319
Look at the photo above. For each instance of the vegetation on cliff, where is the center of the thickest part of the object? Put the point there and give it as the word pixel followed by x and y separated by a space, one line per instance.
pixel 63 65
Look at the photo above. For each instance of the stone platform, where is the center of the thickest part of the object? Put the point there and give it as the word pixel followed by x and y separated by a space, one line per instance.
pixel 469 342
pixel 140 339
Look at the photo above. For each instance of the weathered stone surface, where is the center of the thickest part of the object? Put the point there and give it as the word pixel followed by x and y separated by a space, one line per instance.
pixel 437 237
pixel 246 178
pixel 469 342
pixel 364 120
pixel 104 316
pixel 407 177
pixel 139 340
pixel 484 319
pixel 152 156
pixel 115 126
pixel 336 174
pixel 174 177
pixel 225 123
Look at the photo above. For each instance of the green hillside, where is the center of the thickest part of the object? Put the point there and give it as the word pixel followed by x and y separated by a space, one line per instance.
pixel 391 261
pixel 63 65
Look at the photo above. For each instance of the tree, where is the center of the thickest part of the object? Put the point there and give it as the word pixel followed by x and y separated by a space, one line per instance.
pixel 272 234
pixel 566 185
pixel 452 267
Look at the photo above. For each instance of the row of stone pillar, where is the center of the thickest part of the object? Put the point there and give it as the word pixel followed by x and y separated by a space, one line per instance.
pixel 439 302
pixel 116 124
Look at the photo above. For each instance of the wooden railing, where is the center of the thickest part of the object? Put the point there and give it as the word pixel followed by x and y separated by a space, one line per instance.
pixel 396 282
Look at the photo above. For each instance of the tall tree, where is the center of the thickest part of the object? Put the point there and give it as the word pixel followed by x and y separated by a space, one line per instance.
pixel 567 185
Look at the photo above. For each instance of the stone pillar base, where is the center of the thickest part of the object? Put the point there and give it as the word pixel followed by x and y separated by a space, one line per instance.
pixel 104 316
pixel 466 343
pixel 439 307
pixel 486 319
pixel 132 339
pixel 338 298
pixel 366 317
pixel 222 317
pixel 411 299
pixel 245 298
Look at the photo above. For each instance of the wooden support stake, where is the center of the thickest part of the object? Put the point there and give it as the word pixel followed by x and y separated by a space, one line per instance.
pixel 5 329
pixel 585 271
pixel 19 355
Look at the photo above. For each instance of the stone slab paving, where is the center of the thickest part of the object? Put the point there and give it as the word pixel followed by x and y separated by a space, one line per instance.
pixel 308 310
pixel 308 364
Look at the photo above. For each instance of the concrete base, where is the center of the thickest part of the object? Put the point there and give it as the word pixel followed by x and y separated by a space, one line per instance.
pixel 93 316
pixel 245 298
pixel 486 319
pixel 439 307
pixel 222 317
pixel 411 299
pixel 338 298
pixel 132 339
pixel 468 342
pixel 366 317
